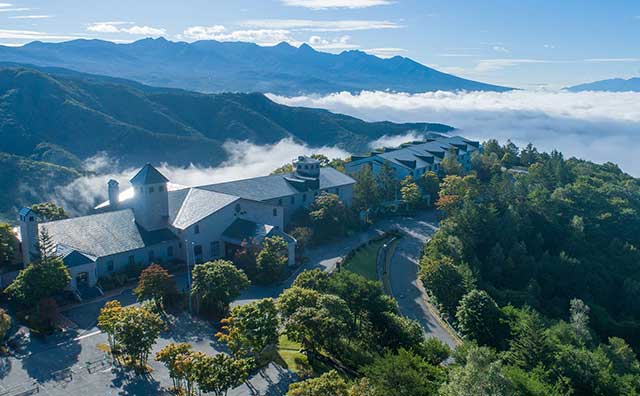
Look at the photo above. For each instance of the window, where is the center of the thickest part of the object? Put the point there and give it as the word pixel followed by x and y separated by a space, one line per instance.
pixel 304 197
pixel 152 256
pixel 293 200
pixel 275 211
pixel 110 265
pixel 30 218
pixel 150 189
pixel 132 260
pixel 215 249
pixel 197 253
pixel 141 189
pixel 238 208
pixel 196 229
pixel 180 245
pixel 170 251
pixel 161 188
pixel 280 202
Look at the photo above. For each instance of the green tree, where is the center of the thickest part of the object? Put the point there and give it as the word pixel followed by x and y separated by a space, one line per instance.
pixel 434 351
pixel 315 279
pixel 216 284
pixel 5 323
pixel 286 168
pixel 251 328
pixel 328 384
pixel 217 374
pixel 450 164
pixel 136 332
pixel 7 245
pixel 387 183
pixel 430 184
pixel 481 374
pixel 155 284
pixel 403 374
pixel 172 356
pixel 272 259
pixel 303 236
pixel 365 191
pixel 579 318
pixel 443 281
pixel 529 344
pixel 43 278
pixel 479 318
pixel 108 319
pixel 328 216
pixel 410 192
pixel 49 211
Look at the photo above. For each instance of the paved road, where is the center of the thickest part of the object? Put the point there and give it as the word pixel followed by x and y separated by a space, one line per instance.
pixel 403 274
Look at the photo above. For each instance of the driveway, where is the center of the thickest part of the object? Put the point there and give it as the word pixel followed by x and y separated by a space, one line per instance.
pixel 403 274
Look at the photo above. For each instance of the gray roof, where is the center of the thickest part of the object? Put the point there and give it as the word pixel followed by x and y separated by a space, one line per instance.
pixel 72 257
pixel 276 186
pixel 421 154
pixel 148 175
pixel 190 205
pixel 104 234
pixel 244 230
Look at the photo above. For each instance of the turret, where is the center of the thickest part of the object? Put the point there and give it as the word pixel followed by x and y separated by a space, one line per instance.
pixel 114 193
pixel 150 201
pixel 28 221
pixel 307 167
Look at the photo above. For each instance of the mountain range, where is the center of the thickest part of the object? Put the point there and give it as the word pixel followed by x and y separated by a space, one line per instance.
pixel 211 67
pixel 53 119
pixel 611 85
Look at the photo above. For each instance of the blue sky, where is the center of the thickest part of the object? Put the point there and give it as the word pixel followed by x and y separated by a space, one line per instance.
pixel 525 43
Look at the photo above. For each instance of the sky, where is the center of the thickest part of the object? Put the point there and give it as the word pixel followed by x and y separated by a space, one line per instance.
pixel 527 44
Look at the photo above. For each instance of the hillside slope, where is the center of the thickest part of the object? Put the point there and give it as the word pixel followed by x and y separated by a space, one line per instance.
pixel 611 85
pixel 211 66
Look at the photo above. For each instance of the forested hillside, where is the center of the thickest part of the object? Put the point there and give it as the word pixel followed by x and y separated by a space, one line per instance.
pixel 62 117
pixel 541 262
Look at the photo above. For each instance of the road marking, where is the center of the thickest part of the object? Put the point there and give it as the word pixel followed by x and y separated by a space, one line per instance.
pixel 87 335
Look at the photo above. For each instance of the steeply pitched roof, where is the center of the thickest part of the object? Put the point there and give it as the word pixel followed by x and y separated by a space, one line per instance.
pixel 148 175
pixel 72 257
pixel 245 230
pixel 276 186
pixel 104 234
pixel 190 205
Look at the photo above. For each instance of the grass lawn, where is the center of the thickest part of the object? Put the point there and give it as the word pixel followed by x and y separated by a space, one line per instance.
pixel 364 261
pixel 289 356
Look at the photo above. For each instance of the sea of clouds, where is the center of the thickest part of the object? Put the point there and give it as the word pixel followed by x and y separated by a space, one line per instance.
pixel 245 160
pixel 598 126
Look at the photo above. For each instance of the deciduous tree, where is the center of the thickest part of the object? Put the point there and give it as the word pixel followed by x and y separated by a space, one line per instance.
pixel 216 284
pixel 328 384
pixel 136 332
pixel 155 284
pixel 110 316
pixel 7 245
pixel 49 211
pixel 272 259
pixel 251 328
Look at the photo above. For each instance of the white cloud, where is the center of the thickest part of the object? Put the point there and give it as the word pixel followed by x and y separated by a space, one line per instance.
pixel 340 43
pixel 598 126
pixel 125 27
pixel 244 160
pixel 320 26
pixel 31 17
pixel 203 32
pixel 499 48
pixel 3 5
pixel 327 4
pixel 385 52
pixel 32 35
pixel 612 60
pixel 5 9
pixel 395 140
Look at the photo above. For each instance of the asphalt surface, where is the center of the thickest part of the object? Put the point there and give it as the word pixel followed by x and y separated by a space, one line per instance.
pixel 403 274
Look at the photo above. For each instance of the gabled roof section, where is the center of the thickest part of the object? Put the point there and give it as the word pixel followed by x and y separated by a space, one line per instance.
pixel 25 211
pixel 148 175
pixel 104 234
pixel 244 230
pixel 190 205
pixel 277 186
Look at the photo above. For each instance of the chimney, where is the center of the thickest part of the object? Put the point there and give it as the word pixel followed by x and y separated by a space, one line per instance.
pixel 28 234
pixel 114 193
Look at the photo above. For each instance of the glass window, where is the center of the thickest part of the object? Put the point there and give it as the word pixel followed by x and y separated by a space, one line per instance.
pixel 110 265
pixel 196 229
pixel 152 255
pixel 293 200
pixel 304 197
pixel 280 202
pixel 161 188
pixel 215 249
pixel 275 211
pixel 151 189
pixel 132 260
pixel 170 251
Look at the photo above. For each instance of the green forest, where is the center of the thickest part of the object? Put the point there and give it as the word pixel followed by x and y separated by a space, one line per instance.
pixel 536 259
